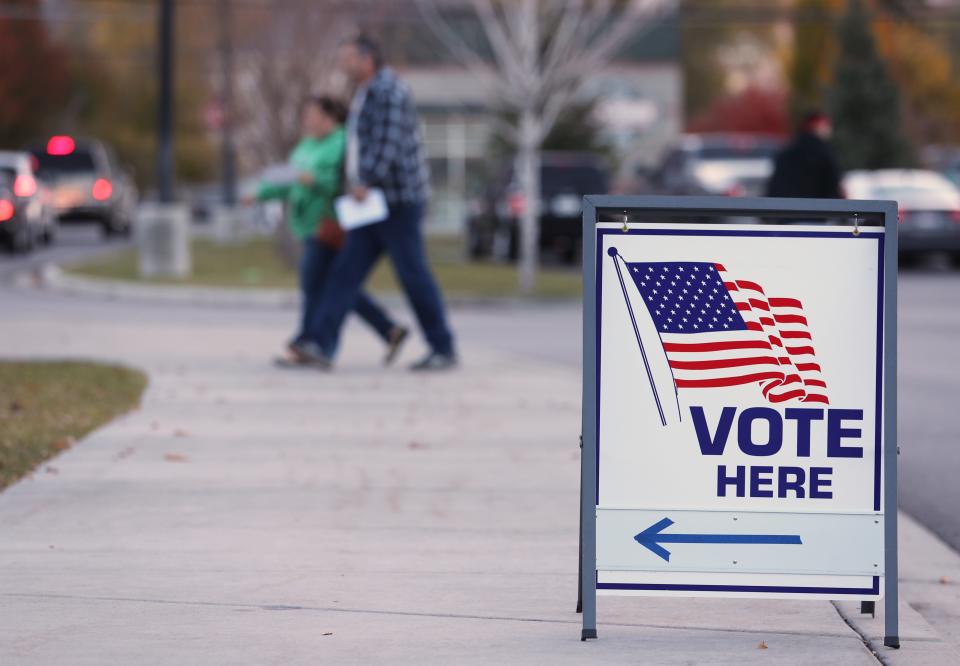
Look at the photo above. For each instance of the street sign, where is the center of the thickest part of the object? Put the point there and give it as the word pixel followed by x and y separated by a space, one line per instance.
pixel 739 399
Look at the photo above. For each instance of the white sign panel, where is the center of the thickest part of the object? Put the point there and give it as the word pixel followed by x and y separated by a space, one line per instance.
pixel 740 413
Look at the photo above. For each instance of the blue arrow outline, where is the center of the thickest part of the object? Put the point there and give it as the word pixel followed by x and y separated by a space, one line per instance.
pixel 651 538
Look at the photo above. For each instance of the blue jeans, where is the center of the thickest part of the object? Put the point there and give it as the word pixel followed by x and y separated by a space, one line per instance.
pixel 316 264
pixel 401 238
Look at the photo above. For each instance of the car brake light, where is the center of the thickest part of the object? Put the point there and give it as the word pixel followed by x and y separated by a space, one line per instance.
pixel 735 190
pixel 102 189
pixel 60 145
pixel 24 186
pixel 902 216
pixel 6 210
pixel 955 215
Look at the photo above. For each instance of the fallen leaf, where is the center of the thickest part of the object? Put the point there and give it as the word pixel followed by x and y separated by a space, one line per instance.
pixel 762 646
pixel 328 633
pixel 180 433
pixel 944 580
pixel 15 406
pixel 50 469
pixel 174 457
pixel 417 445
pixel 63 443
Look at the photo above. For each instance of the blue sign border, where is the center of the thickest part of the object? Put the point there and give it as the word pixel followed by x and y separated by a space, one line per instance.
pixel 878 444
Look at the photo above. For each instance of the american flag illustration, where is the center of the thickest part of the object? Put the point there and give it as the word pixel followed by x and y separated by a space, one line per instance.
pixel 720 331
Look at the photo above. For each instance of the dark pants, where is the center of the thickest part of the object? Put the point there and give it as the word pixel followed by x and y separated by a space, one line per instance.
pixel 316 264
pixel 401 238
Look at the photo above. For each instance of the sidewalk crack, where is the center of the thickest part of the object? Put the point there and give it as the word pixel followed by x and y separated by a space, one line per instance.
pixel 863 637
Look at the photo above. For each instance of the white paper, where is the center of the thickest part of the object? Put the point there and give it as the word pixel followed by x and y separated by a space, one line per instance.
pixel 353 214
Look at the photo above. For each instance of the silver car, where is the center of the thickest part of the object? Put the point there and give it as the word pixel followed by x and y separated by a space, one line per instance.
pixel 929 206
pixel 32 200
pixel 87 183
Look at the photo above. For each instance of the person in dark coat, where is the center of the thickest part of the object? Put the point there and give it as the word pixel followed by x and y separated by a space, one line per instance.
pixel 806 167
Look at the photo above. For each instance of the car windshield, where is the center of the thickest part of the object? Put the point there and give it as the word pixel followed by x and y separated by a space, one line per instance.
pixel 74 163
pixel 580 180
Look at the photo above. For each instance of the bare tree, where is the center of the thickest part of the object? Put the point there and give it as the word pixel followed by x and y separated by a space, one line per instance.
pixel 288 51
pixel 543 52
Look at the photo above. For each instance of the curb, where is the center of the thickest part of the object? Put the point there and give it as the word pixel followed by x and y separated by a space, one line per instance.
pixel 53 278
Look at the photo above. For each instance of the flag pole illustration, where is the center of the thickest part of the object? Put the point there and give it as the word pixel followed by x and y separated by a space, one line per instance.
pixel 717 332
pixel 633 320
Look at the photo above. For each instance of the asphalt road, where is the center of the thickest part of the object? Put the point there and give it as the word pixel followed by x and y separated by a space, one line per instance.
pixel 929 357
pixel 74 242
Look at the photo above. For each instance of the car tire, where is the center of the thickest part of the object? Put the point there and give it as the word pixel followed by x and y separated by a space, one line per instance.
pixel 908 260
pixel 506 245
pixel 23 241
pixel 476 247
pixel 574 254
pixel 111 227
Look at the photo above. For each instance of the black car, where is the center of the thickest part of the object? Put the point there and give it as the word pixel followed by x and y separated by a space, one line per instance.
pixel 87 183
pixel 717 164
pixel 565 178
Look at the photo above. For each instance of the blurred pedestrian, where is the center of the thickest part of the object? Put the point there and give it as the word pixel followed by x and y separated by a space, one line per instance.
pixel 317 166
pixel 807 167
pixel 383 151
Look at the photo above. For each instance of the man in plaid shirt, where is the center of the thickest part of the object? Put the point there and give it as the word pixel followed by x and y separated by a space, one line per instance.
pixel 383 151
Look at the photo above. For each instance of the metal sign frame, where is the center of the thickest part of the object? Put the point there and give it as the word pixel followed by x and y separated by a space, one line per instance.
pixel 818 209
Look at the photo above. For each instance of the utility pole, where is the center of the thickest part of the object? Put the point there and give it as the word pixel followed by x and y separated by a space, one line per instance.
pixel 228 157
pixel 163 228
pixel 165 102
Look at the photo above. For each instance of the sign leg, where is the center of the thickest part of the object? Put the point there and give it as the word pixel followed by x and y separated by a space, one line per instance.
pixel 588 548
pixel 891 630
pixel 588 434
pixel 580 543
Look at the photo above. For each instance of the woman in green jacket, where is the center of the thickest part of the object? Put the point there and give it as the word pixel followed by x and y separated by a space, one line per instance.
pixel 318 161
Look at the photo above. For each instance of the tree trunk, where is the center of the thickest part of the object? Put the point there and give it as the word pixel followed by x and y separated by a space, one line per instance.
pixel 528 169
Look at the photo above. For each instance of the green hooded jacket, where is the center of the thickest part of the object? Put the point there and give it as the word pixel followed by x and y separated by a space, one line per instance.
pixel 308 205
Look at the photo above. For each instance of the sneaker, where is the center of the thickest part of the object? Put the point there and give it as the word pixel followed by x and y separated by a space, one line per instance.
pixel 398 335
pixel 435 361
pixel 310 354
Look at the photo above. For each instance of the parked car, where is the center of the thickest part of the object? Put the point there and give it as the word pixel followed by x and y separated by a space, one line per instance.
pixel 87 183
pixel 929 206
pixel 16 231
pixel 493 227
pixel 31 198
pixel 717 164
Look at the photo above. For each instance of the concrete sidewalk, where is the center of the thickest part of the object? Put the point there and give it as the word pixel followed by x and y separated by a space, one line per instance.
pixel 247 515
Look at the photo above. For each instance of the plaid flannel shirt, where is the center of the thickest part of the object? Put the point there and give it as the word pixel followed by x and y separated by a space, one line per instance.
pixel 390 153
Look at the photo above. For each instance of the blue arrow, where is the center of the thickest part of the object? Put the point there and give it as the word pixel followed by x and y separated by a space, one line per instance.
pixel 651 538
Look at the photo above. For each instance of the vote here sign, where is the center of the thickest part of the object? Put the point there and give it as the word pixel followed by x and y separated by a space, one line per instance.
pixel 740 410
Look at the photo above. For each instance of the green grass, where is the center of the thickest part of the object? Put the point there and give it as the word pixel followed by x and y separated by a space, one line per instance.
pixel 47 405
pixel 257 263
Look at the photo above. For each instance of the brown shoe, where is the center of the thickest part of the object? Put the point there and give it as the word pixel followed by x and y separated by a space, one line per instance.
pixel 398 335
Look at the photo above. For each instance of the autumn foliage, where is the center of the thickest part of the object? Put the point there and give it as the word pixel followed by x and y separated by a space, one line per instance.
pixel 754 110
pixel 33 77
